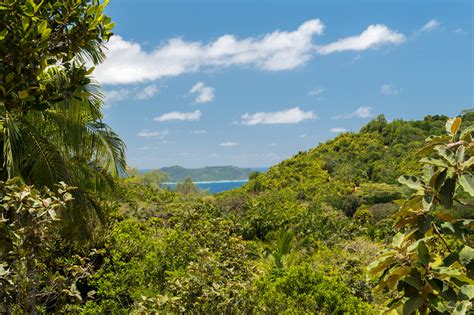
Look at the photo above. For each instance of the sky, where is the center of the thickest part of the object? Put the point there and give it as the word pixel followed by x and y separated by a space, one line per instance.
pixel 250 83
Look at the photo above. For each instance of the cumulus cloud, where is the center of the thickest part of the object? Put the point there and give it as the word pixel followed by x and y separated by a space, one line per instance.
pixel 460 31
pixel 338 130
pixel 429 26
pixel 389 89
pixel 199 132
pixel 119 95
pixel 204 94
pixel 147 92
pixel 150 133
pixel 316 91
pixel 289 116
pixel 229 144
pixel 190 116
pixel 361 112
pixel 373 37
pixel 128 62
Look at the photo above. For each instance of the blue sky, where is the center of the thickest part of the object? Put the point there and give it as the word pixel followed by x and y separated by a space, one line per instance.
pixel 251 83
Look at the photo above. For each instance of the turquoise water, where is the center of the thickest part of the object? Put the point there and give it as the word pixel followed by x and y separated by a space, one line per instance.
pixel 214 187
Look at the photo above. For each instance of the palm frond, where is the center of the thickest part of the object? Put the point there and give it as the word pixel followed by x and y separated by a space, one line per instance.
pixel 92 52
pixel 110 149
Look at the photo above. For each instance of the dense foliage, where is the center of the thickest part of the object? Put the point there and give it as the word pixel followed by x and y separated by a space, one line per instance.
pixel 431 260
pixel 51 127
pixel 294 240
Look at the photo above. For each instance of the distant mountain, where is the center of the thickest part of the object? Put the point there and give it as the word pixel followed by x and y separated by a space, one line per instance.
pixel 209 173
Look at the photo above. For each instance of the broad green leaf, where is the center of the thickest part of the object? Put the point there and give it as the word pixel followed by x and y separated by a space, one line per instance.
pixel 470 162
pixel 42 26
pixel 437 302
pixel 462 308
pixel 431 142
pixel 23 94
pixel 434 161
pixel 468 291
pixel 414 282
pixel 428 199
pixel 447 154
pixel 446 193
pixel 423 253
pixel 448 226
pixel 45 34
pixel 411 181
pixel 466 180
pixel 466 134
pixel 439 180
pixel 453 124
pixel 397 240
pixel 466 255
pixel 3 34
pixel 380 264
pixel 412 305
pixel 460 157
pixel 9 77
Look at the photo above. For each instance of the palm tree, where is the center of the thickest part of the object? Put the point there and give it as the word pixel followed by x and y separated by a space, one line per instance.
pixel 65 141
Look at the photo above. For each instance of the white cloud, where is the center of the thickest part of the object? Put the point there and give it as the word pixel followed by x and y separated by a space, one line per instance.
pixel 280 50
pixel 229 144
pixel 338 130
pixel 289 116
pixel 316 91
pixel 431 25
pixel 150 133
pixel 204 94
pixel 355 59
pixel 199 132
pixel 147 92
pixel 373 37
pixel 389 89
pixel 460 31
pixel 361 112
pixel 191 116
pixel 119 95
pixel 127 62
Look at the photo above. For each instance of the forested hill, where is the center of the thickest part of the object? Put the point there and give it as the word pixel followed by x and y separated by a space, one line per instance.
pixel 209 173
pixel 353 164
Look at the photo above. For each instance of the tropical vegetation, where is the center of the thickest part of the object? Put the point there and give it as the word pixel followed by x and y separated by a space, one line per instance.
pixel 379 220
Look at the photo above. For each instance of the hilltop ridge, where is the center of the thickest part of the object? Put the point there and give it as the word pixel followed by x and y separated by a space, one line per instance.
pixel 209 173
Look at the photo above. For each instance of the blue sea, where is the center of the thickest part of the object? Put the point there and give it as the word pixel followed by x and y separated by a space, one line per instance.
pixel 214 187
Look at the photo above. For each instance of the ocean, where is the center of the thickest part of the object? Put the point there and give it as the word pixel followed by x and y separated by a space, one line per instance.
pixel 214 187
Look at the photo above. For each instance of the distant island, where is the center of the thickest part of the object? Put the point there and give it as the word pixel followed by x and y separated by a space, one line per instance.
pixel 209 173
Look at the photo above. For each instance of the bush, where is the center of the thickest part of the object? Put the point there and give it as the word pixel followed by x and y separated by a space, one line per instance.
pixel 302 290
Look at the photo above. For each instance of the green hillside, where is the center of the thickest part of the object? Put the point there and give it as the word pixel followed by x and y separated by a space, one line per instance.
pixel 299 237
pixel 208 173
pixel 379 153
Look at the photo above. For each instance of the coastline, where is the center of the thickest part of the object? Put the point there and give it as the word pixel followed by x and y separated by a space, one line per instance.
pixel 211 182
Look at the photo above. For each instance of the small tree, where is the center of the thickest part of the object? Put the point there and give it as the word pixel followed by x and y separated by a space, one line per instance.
pixel 27 218
pixel 187 187
pixel 430 264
